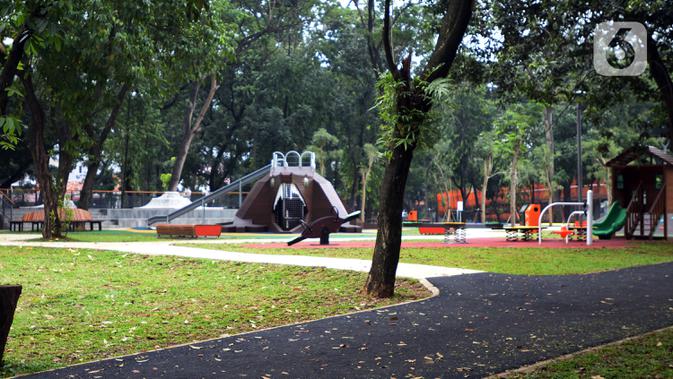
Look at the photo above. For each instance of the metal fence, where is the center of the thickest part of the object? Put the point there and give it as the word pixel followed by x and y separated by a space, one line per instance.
pixel 105 199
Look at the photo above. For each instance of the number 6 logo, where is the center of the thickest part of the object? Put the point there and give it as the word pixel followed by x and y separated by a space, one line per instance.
pixel 620 48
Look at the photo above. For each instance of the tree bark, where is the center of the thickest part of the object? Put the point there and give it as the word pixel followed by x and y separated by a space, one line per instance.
pixel 189 129
pixel 363 218
pixel 381 279
pixel 661 76
pixel 488 169
pixel 412 105
pixel 550 168
pixel 513 182
pixel 52 223
pixel 9 297
pixel 96 150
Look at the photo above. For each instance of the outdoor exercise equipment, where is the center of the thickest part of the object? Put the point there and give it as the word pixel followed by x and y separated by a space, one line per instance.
pixel 290 196
pixel 322 227
pixel 526 231
pixel 453 231
pixel 587 211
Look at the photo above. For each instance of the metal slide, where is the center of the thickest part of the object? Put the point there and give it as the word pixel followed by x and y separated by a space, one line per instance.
pixel 236 185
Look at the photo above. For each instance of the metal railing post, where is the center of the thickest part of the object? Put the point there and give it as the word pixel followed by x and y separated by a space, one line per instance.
pixel 590 216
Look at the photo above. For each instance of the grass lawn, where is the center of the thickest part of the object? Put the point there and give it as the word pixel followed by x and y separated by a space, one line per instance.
pixel 645 357
pixel 521 261
pixel 79 305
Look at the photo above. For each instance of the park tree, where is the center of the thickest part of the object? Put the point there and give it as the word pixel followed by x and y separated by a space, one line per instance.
pixel 206 46
pixel 513 129
pixel 80 97
pixel 324 145
pixel 556 38
pixel 407 101
pixel 372 154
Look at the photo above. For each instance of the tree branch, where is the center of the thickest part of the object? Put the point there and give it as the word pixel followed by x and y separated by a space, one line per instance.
pixel 387 43
pixel 206 103
pixel 454 25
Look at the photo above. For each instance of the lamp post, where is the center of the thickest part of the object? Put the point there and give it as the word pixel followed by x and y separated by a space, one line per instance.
pixel 579 152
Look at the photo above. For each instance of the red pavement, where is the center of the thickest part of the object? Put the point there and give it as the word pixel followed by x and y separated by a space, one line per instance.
pixel 472 242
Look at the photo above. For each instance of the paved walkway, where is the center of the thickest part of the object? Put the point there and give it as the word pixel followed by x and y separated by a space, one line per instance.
pixel 407 270
pixel 479 324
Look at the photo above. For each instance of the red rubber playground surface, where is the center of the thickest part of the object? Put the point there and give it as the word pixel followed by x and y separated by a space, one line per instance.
pixel 472 242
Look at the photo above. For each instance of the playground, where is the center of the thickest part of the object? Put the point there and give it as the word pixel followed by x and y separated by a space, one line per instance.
pixel 327 189
pixel 293 219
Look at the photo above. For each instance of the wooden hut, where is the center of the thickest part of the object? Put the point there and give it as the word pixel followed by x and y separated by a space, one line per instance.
pixel 642 183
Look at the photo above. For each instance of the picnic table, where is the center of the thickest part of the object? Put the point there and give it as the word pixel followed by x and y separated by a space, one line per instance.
pixel 75 219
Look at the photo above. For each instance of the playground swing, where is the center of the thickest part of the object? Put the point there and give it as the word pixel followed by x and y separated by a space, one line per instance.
pixel 587 210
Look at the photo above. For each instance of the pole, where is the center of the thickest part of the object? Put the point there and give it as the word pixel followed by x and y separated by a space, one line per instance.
pixel 579 152
pixel 590 216
pixel 240 194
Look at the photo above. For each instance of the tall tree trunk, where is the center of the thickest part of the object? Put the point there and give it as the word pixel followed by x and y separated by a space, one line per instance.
pixel 95 152
pixel 661 76
pixel 476 199
pixel 189 129
pixel 411 106
pixel 363 206
pixel 550 168
pixel 513 182
pixel 52 223
pixel 488 169
pixel 381 279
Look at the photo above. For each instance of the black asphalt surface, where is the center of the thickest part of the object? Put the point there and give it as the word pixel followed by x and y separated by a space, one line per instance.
pixel 479 324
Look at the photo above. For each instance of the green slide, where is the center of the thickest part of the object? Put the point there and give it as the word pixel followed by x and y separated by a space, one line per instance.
pixel 607 226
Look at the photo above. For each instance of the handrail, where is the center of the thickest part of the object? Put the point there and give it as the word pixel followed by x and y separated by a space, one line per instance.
pixel 633 216
pixel 253 176
pixel 657 209
pixel 9 199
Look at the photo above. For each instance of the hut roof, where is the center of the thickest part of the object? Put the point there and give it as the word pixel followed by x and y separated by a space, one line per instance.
pixel 638 152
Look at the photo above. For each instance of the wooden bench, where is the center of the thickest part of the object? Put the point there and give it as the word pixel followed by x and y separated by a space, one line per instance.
pixel 188 230
pixel 176 230
pixel 76 219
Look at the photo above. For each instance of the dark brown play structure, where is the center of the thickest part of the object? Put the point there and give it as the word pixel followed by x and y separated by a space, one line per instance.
pixel 289 198
pixel 9 297
pixel 642 183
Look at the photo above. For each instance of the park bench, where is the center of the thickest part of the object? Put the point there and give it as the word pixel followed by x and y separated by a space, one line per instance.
pixel 76 219
pixel 188 230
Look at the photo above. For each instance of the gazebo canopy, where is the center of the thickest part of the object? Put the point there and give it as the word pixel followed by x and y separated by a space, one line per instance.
pixel 638 153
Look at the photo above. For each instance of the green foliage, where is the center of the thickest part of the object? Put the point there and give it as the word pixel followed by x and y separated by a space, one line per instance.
pixel 11 132
pixel 407 127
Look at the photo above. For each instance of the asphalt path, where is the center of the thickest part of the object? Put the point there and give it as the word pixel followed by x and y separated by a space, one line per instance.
pixel 479 324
